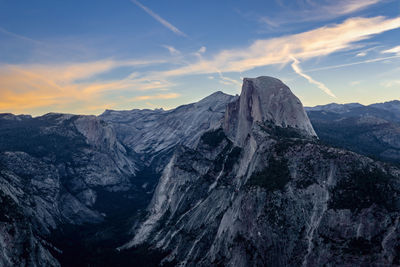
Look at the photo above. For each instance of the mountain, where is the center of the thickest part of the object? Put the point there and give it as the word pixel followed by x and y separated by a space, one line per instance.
pixel 72 185
pixel 54 170
pixel 333 107
pixel 265 99
pixel 262 190
pixel 229 180
pixel 391 106
pixel 372 130
pixel 153 132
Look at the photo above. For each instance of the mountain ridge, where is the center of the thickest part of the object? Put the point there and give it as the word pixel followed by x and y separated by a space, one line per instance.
pixel 275 198
pixel 372 130
pixel 87 180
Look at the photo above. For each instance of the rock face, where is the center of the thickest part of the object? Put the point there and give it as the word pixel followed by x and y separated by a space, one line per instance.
pixel 372 130
pixel 61 172
pixel 244 181
pixel 50 170
pixel 265 99
pixel 265 192
pixel 26 210
pixel 152 132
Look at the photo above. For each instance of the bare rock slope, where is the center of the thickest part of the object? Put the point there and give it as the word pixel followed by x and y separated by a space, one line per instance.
pixel 265 192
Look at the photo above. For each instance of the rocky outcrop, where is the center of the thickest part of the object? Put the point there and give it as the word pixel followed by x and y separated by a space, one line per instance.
pixel 267 194
pixel 265 99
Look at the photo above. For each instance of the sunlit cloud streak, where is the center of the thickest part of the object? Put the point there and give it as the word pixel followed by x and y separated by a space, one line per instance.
pixel 33 86
pixel 311 44
pixel 157 96
pixel 50 85
pixel 394 50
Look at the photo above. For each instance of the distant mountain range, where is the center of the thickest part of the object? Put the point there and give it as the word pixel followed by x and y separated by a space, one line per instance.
pixel 372 130
pixel 249 180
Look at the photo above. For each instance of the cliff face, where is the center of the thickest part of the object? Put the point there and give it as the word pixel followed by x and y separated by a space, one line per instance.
pixel 265 99
pixel 244 181
pixel 261 190
pixel 51 169
pixel 151 132
pixel 62 172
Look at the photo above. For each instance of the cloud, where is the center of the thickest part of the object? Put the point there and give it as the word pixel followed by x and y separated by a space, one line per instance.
pixel 349 6
pixel 355 83
pixel 365 52
pixel 228 81
pixel 159 19
pixel 296 67
pixel 391 83
pixel 202 50
pixel 32 87
pixel 270 22
pixel 21 37
pixel 172 50
pixel 309 10
pixel 394 50
pixel 352 63
pixel 158 96
pixel 70 72
pixel 311 44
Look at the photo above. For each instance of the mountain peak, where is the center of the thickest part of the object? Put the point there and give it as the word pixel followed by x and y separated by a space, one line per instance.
pixel 265 99
pixel 217 97
pixel 264 82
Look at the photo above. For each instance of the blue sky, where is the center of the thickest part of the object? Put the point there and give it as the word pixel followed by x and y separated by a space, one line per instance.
pixel 87 56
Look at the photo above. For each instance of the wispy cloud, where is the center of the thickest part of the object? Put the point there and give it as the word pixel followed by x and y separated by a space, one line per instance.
pixel 391 83
pixel 366 51
pixel 352 64
pixel 20 37
pixel 157 96
pixel 228 81
pixel 159 19
pixel 29 87
pixel 345 7
pixel 310 10
pixel 270 22
pixel 296 67
pixel 26 87
pixel 311 44
pixel 361 54
pixel 172 50
pixel 355 83
pixel 394 50
pixel 202 50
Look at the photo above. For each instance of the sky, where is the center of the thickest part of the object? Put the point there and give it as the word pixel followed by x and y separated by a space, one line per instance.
pixel 86 56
